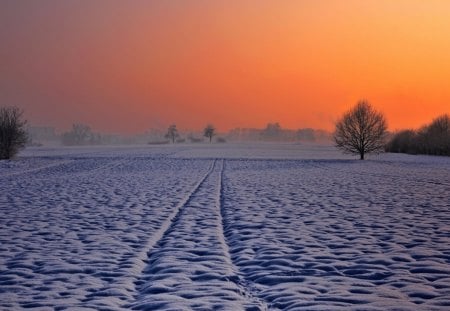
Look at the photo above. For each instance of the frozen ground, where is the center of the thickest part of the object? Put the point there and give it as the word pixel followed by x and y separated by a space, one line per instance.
pixel 223 227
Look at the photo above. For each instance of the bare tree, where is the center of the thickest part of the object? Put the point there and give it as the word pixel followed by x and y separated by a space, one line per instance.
pixel 172 133
pixel 404 141
pixel 435 137
pixel 432 139
pixel 13 135
pixel 209 132
pixel 80 134
pixel 361 130
pixel 306 134
pixel 272 131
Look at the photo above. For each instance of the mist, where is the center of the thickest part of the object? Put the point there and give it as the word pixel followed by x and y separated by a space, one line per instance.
pixel 128 67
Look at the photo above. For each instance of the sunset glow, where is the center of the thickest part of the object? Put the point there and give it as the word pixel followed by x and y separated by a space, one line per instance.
pixel 127 66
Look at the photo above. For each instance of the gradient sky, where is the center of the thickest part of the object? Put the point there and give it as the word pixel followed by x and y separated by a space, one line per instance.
pixel 127 66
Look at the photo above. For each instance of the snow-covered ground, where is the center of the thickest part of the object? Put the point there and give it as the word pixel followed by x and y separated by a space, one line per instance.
pixel 223 227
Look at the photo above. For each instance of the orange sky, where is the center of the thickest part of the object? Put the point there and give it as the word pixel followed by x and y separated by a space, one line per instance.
pixel 126 66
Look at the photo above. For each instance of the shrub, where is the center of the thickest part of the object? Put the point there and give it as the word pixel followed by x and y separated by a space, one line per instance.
pixel 13 135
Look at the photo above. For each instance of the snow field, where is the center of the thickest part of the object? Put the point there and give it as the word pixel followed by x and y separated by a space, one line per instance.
pixel 223 227
pixel 76 236
pixel 190 269
pixel 320 236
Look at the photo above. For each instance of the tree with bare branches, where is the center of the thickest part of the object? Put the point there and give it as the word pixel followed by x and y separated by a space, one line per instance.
pixel 13 135
pixel 361 130
pixel 80 134
pixel 433 139
pixel 172 133
pixel 209 132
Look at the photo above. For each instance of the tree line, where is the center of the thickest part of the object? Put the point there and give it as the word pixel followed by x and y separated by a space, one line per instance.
pixel 360 131
pixel 364 130
pixel 432 139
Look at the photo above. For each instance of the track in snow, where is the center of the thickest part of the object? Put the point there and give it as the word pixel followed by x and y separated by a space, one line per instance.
pixel 151 228
pixel 35 169
pixel 190 266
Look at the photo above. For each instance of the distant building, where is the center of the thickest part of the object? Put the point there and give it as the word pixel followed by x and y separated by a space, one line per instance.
pixel 273 132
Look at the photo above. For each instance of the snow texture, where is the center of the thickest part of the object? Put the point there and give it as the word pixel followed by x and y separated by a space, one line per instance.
pixel 223 227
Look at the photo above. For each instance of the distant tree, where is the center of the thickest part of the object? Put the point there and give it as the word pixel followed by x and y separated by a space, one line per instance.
pixel 431 139
pixel 434 139
pixel 172 133
pixel 209 132
pixel 306 134
pixel 13 135
pixel 272 131
pixel 404 141
pixel 80 134
pixel 361 130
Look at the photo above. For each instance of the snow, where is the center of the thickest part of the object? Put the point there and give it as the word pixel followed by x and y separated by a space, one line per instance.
pixel 223 226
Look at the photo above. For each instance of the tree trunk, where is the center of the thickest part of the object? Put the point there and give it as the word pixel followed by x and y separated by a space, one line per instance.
pixel 361 154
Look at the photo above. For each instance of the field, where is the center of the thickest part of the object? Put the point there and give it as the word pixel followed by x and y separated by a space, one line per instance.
pixel 223 227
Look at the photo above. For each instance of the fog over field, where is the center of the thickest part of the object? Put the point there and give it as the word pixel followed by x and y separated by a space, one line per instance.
pixel 223 227
pixel 204 155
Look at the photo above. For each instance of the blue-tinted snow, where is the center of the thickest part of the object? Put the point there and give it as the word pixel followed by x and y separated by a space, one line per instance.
pixel 223 227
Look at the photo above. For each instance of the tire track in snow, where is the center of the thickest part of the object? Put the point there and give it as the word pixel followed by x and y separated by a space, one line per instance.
pixel 51 165
pixel 139 261
pixel 248 288
pixel 36 169
pixel 69 163
pixel 190 266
